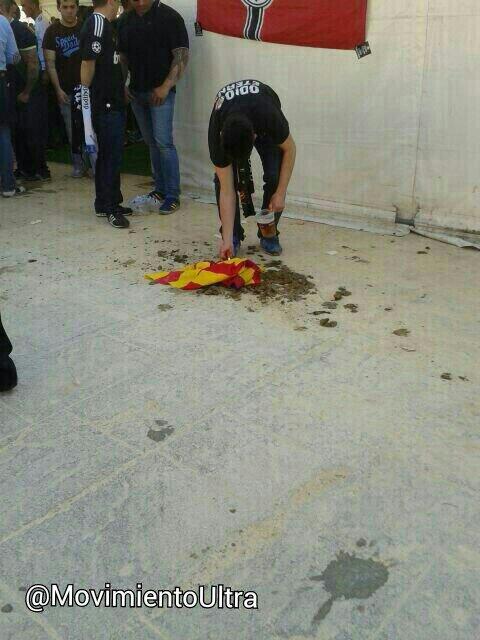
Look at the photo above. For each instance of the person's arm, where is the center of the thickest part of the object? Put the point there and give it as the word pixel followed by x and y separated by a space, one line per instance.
pixel 50 57
pixel 177 69
pixel 30 59
pixel 277 202
pixel 125 74
pixel 12 55
pixel 227 205
pixel 87 72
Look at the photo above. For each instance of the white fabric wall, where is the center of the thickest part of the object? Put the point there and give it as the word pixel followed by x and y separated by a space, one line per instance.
pixel 396 131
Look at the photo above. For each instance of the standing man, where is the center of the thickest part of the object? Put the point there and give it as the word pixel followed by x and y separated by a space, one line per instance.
pixel 154 46
pixel 61 47
pixel 248 114
pixel 103 96
pixel 8 55
pixel 33 114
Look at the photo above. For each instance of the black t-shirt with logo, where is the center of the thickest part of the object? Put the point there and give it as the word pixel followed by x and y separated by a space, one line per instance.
pixel 98 42
pixel 148 42
pixel 259 103
pixel 65 41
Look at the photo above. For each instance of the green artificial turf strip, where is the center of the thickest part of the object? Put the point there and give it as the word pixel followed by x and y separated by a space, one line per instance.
pixel 136 159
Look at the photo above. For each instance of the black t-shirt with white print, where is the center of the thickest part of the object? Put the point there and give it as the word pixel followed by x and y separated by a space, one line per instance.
pixel 98 42
pixel 259 103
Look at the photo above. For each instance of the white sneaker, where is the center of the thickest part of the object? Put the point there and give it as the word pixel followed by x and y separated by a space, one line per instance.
pixel 77 172
pixel 16 192
pixel 148 202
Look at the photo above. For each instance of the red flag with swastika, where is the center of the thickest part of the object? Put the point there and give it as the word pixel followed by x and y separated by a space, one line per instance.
pixel 331 24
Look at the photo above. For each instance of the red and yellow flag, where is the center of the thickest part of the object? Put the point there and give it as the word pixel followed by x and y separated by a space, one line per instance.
pixel 236 272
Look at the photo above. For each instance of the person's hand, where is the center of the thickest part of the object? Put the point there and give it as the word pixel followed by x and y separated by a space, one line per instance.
pixel 277 202
pixel 62 97
pixel 23 97
pixel 226 249
pixel 159 95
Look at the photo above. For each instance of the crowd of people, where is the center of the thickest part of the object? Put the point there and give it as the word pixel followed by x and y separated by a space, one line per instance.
pixel 97 64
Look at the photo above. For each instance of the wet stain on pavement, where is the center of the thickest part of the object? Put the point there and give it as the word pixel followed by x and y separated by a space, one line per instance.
pixel 7 608
pixel 349 577
pixel 158 435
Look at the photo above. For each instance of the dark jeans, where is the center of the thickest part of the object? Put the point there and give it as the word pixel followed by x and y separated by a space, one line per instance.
pixel 109 127
pixel 271 156
pixel 31 133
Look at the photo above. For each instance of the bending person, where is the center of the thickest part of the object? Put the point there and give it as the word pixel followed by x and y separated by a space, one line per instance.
pixel 248 114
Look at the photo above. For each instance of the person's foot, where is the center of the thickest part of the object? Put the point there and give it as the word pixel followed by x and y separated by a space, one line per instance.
pixel 14 192
pixel 170 205
pixel 44 176
pixel 118 221
pixel 77 172
pixel 271 246
pixel 8 374
pixel 124 211
pixel 19 174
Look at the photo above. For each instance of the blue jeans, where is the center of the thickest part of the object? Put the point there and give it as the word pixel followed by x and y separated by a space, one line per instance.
pixel 109 127
pixel 6 159
pixel 156 126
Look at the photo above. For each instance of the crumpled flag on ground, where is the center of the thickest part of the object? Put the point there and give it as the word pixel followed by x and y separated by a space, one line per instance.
pixel 235 272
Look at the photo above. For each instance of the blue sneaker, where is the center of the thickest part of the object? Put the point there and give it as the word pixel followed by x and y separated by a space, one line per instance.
pixel 236 246
pixel 170 205
pixel 271 246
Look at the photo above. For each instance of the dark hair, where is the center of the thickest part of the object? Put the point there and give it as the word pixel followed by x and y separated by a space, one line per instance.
pixel 237 136
pixel 59 2
pixel 99 3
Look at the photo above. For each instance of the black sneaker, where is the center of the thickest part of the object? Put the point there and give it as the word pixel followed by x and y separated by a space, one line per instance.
pixel 124 211
pixel 45 175
pixel 118 221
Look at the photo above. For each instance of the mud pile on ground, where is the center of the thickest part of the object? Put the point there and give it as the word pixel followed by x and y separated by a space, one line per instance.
pixel 279 283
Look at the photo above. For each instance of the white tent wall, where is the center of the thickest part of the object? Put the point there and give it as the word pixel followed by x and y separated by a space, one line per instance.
pixel 395 132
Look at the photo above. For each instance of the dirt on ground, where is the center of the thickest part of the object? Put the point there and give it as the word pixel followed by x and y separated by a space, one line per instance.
pixel 279 282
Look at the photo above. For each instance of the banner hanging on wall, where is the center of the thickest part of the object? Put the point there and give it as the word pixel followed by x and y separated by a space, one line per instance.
pixel 331 24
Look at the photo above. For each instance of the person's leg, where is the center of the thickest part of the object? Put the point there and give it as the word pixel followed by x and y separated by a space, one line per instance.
pixel 6 160
pixel 66 111
pixel 101 194
pixel 117 128
pixel 271 157
pixel 42 129
pixel 141 110
pixel 8 372
pixel 162 124
pixel 238 232
pixel 110 131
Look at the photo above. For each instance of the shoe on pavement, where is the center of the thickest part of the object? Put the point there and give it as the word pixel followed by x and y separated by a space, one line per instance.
pixel 124 211
pixel 271 246
pixel 118 221
pixel 170 205
pixel 15 192
pixel 77 172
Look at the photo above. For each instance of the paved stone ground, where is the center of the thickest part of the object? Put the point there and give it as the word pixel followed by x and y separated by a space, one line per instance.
pixel 211 440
